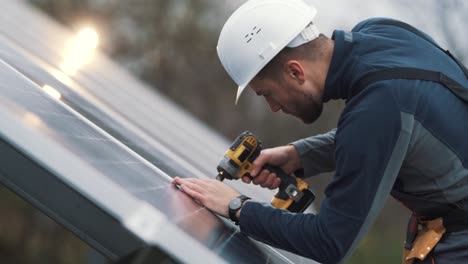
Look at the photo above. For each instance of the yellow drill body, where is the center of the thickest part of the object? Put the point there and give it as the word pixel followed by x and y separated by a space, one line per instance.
pixel 293 193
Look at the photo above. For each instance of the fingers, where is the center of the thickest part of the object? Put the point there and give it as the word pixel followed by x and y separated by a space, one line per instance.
pixel 177 180
pixel 261 178
pixel 276 184
pixel 259 162
pixel 192 192
pixel 246 179
pixel 191 187
pixel 180 181
pixel 212 193
pixel 267 180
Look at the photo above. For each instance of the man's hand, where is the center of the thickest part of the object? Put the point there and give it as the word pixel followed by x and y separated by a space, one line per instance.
pixel 212 193
pixel 285 157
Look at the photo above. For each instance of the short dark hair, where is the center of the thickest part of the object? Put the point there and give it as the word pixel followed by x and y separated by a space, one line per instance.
pixel 311 51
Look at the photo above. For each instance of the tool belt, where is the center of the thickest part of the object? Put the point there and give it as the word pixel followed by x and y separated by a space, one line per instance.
pixel 423 233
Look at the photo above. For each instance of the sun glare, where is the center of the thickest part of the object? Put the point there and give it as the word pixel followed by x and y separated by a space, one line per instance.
pixel 52 92
pixel 79 51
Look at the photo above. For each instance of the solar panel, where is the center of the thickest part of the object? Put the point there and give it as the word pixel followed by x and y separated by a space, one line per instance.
pixel 91 164
pixel 125 107
pixel 186 141
pixel 68 150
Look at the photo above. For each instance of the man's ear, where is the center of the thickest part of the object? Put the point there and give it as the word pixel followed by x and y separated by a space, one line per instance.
pixel 295 71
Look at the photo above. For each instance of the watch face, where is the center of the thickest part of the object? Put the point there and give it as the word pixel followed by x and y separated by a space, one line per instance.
pixel 235 204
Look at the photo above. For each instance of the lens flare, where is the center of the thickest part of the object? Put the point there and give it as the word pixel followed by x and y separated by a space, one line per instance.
pixel 79 51
pixel 52 92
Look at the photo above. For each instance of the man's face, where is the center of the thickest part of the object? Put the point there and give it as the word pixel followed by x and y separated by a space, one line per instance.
pixel 300 100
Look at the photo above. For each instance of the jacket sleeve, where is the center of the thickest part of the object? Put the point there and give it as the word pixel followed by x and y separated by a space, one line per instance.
pixel 317 153
pixel 370 147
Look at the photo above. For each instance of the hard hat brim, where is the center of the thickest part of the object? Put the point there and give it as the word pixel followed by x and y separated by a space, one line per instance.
pixel 240 89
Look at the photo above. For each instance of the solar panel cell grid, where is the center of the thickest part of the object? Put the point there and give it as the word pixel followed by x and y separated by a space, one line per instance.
pixel 40 112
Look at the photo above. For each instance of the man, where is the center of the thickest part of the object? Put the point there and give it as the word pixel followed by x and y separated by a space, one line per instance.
pixel 402 132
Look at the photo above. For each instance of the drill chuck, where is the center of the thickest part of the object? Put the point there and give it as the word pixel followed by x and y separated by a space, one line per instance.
pixel 220 177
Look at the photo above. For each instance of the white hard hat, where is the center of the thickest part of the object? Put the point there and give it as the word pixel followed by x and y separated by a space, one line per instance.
pixel 258 30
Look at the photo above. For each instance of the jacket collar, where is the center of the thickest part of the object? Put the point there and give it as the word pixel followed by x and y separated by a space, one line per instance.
pixel 336 83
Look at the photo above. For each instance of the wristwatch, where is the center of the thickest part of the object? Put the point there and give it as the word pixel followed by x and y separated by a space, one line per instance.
pixel 234 206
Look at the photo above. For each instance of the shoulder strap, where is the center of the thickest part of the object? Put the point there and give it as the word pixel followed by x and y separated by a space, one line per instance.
pixel 413 74
pixel 412 29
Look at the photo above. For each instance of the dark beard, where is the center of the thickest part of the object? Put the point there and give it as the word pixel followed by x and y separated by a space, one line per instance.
pixel 312 112
pixel 313 115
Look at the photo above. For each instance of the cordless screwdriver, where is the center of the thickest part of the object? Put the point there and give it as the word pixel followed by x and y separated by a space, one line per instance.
pixel 293 193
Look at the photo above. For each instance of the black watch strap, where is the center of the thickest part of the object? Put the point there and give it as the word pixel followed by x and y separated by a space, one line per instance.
pixel 232 213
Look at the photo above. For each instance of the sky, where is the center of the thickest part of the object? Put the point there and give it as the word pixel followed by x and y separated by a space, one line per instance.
pixel 427 15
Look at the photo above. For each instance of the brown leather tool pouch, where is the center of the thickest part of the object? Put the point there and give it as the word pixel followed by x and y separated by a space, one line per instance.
pixel 428 235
